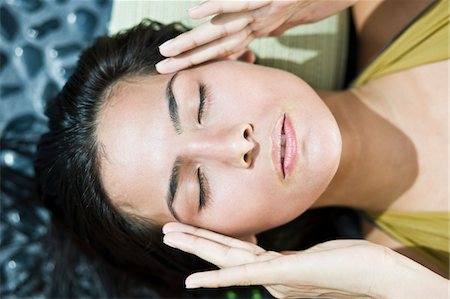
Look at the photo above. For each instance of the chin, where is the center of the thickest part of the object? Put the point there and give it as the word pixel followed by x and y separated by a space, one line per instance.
pixel 321 156
pixel 325 153
pixel 319 143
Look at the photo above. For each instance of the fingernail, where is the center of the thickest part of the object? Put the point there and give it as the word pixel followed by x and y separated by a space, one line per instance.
pixel 164 230
pixel 191 285
pixel 166 44
pixel 169 242
pixel 193 8
pixel 168 229
pixel 162 64
pixel 176 227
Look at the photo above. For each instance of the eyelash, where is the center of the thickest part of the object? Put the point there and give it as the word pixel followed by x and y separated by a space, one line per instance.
pixel 205 101
pixel 204 190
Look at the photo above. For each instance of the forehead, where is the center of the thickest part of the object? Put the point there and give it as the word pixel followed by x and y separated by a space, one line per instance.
pixel 132 126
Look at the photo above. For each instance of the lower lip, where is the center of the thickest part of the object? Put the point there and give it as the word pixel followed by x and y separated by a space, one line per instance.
pixel 290 155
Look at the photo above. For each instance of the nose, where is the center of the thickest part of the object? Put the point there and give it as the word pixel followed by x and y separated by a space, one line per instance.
pixel 233 145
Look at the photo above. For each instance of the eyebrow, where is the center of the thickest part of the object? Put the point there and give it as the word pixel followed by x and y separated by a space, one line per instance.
pixel 173 185
pixel 173 106
pixel 175 119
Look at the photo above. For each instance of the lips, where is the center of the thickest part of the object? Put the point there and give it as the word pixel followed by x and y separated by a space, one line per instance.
pixel 284 147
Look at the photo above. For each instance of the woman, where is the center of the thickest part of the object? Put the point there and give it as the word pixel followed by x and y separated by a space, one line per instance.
pixel 233 140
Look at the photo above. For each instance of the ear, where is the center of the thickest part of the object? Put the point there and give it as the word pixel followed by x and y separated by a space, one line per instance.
pixel 251 239
pixel 245 55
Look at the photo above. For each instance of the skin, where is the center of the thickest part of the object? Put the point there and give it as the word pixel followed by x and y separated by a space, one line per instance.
pixel 140 145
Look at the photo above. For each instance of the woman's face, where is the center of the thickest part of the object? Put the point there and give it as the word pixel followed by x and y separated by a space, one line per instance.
pixel 220 169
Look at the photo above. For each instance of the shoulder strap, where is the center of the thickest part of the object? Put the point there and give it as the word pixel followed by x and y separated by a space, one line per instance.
pixel 425 41
pixel 424 232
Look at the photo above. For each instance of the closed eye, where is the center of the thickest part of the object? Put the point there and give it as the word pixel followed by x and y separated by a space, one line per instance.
pixel 205 102
pixel 204 194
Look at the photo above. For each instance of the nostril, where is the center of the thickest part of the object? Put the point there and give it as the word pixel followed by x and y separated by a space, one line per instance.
pixel 247 131
pixel 245 158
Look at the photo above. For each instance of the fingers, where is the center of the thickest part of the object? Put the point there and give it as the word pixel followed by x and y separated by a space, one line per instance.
pixel 199 232
pixel 327 266
pixel 216 49
pixel 222 26
pixel 227 33
pixel 211 251
pixel 210 8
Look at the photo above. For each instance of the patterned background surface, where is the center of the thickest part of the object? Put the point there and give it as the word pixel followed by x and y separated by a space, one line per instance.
pixel 39 46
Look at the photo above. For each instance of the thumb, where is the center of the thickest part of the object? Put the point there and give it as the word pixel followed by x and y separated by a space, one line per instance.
pixel 260 273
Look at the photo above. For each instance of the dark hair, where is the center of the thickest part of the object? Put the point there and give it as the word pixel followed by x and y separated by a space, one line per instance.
pixel 67 163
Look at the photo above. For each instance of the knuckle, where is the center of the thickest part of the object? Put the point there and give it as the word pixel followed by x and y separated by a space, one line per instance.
pixel 193 39
pixel 256 258
pixel 273 253
pixel 221 8
pixel 246 281
pixel 223 32
pixel 250 18
pixel 197 242
pixel 226 253
pixel 195 230
pixel 225 51
pixel 220 278
pixel 190 61
pixel 387 255
pixel 246 32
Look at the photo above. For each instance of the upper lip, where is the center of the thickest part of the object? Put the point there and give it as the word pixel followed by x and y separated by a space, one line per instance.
pixel 276 146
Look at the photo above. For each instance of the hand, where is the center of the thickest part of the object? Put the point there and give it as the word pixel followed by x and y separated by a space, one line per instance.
pixel 235 24
pixel 338 268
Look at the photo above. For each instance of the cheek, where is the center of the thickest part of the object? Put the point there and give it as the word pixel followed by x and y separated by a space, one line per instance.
pixel 246 204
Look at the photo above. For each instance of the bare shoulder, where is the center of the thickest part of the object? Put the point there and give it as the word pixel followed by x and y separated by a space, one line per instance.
pixel 378 21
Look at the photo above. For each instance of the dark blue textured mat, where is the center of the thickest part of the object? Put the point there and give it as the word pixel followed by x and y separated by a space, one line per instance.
pixel 39 45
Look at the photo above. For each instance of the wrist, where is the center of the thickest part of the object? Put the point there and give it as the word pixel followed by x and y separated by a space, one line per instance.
pixel 409 279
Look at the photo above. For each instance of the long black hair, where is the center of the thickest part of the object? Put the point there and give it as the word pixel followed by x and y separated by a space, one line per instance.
pixel 67 163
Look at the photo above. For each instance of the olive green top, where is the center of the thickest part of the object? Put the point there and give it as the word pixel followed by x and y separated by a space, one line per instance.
pixel 424 41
